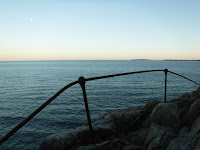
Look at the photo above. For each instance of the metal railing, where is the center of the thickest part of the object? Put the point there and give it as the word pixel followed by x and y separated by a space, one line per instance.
pixel 82 82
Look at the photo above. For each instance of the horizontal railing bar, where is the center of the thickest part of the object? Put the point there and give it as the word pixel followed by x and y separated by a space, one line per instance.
pixel 184 77
pixel 120 74
pixel 15 129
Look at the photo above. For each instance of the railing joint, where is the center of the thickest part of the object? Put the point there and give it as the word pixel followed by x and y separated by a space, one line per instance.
pixel 166 70
pixel 82 81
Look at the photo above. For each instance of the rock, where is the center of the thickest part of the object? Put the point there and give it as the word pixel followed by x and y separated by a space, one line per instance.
pixel 183 141
pixel 197 146
pixel 166 114
pixel 58 141
pixel 138 137
pixel 117 121
pixel 196 126
pixel 187 138
pixel 196 94
pixel 115 144
pixel 124 118
pixel 105 120
pixel 193 112
pixel 133 147
pixel 158 137
pixel 185 97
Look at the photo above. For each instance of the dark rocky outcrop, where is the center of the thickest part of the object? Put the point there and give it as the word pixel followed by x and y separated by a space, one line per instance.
pixel 174 125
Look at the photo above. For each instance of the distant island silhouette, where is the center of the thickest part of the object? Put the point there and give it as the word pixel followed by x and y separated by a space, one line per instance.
pixel 167 59
pixel 141 59
pixel 179 60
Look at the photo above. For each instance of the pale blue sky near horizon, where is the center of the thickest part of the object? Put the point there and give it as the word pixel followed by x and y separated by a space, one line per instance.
pixel 99 29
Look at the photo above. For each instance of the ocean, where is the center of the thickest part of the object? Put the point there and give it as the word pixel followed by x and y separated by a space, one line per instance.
pixel 25 85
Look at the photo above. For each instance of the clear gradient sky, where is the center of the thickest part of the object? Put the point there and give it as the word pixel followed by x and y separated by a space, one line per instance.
pixel 99 29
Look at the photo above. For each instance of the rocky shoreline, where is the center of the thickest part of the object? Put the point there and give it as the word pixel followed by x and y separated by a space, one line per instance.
pixel 174 125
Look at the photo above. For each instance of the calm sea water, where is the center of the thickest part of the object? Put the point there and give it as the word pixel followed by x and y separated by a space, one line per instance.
pixel 24 86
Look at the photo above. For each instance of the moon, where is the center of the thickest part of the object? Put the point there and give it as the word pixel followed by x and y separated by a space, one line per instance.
pixel 30 19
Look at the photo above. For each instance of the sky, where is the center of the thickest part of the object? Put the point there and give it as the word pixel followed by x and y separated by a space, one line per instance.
pixel 99 29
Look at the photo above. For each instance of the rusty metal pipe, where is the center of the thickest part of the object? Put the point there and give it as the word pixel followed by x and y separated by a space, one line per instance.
pixel 166 70
pixel 82 81
pixel 16 128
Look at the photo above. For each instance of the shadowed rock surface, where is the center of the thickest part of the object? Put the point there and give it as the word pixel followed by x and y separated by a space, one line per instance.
pixel 174 125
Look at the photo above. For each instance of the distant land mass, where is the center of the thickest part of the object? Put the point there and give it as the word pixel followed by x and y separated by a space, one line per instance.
pixel 179 60
pixel 167 59
pixel 140 59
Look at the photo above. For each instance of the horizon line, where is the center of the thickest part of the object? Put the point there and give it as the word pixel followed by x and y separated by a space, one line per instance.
pixel 103 60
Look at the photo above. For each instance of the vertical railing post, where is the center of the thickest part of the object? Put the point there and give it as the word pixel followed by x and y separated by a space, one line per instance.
pixel 166 70
pixel 82 81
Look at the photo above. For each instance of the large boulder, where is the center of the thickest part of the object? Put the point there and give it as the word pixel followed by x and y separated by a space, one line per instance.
pixel 65 140
pixel 138 137
pixel 181 141
pixel 187 138
pixel 193 112
pixel 158 137
pixel 166 114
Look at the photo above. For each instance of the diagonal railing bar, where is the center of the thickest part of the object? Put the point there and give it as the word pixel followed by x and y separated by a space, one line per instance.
pixel 184 77
pixel 82 83
pixel 16 128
